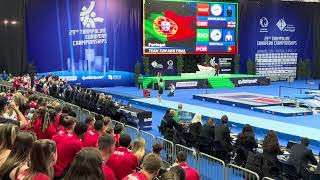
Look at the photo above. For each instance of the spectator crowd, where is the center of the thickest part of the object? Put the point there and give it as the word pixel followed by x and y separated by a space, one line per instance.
pixel 41 139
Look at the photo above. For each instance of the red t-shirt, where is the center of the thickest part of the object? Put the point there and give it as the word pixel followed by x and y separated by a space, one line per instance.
pixel 116 140
pixel 122 162
pixel 91 139
pixel 37 129
pixel 191 174
pixel 67 150
pixel 60 135
pixel 136 176
pixel 108 173
pixel 56 121
pixel 50 132
pixel 38 176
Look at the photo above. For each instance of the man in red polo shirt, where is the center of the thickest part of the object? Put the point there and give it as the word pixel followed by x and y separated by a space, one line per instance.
pixel 118 129
pixel 106 147
pixel 150 168
pixel 68 148
pixel 90 122
pixel 191 174
pixel 122 161
pixel 67 127
pixel 92 136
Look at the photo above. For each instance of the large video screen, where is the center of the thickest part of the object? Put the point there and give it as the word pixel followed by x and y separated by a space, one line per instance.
pixel 190 27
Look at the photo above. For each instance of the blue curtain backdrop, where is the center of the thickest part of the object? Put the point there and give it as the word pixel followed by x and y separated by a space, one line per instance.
pixel 301 16
pixel 104 53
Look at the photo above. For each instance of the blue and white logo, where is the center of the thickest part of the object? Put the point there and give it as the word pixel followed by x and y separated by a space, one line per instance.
pixel 264 23
pixel 88 16
pixel 284 27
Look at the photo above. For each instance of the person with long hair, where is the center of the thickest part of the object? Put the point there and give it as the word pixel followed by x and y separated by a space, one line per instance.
pixel 48 129
pixel 18 156
pixel 43 156
pixel 86 165
pixel 37 121
pixel 8 134
pixel 138 148
pixel 246 139
pixel 271 149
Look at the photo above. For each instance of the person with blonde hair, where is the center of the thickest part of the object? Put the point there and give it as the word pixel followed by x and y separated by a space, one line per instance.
pixel 138 148
pixel 8 134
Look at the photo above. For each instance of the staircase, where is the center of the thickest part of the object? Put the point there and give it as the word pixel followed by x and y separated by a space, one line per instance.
pixel 218 83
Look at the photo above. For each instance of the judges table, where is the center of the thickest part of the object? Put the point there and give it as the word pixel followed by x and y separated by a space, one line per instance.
pixel 139 117
pixel 281 158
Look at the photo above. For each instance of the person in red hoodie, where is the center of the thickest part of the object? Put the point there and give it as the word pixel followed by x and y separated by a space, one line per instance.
pixel 67 127
pixel 68 148
pixel 106 148
pixel 122 161
pixel 92 136
pixel 150 169
pixel 191 174
pixel 90 122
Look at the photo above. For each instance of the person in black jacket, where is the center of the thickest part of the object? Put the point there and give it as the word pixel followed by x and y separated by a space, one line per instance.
pixel 246 139
pixel 300 156
pixel 222 134
pixel 207 131
pixel 271 149
pixel 171 125
pixel 195 125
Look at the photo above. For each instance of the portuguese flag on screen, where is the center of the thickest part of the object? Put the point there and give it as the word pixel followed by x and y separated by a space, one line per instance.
pixel 168 26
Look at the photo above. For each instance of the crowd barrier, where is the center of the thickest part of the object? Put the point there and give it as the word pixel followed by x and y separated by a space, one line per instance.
pixel 149 140
pixel 167 154
pixel 132 131
pixel 210 168
pixel 234 172
pixel 267 178
pixel 84 113
pixel 191 155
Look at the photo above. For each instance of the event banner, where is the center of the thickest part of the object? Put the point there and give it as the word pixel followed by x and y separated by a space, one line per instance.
pixel 92 42
pixel 190 27
pixel 275 37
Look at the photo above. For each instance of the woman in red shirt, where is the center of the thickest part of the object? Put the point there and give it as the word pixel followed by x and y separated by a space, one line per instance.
pixel 48 128
pixel 42 158
pixel 37 121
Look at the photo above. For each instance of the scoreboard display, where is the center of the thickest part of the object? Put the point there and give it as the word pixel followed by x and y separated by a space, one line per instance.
pixel 190 27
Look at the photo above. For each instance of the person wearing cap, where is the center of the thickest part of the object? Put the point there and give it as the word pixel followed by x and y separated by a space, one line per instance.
pixel 150 169
pixel 191 174
pixel 22 121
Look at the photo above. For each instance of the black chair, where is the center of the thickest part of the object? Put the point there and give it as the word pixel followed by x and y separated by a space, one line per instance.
pixel 313 176
pixel 289 171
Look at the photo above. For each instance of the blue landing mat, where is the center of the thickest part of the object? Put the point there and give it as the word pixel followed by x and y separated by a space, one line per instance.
pixel 281 127
pixel 283 111
pixel 239 99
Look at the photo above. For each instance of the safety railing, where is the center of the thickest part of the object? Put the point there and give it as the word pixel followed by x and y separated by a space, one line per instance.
pixel 84 114
pixel 210 167
pixel 114 122
pixel 234 172
pixel 75 109
pixel 149 140
pixel 167 154
pixel 192 156
pixel 132 131
pixel 267 178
